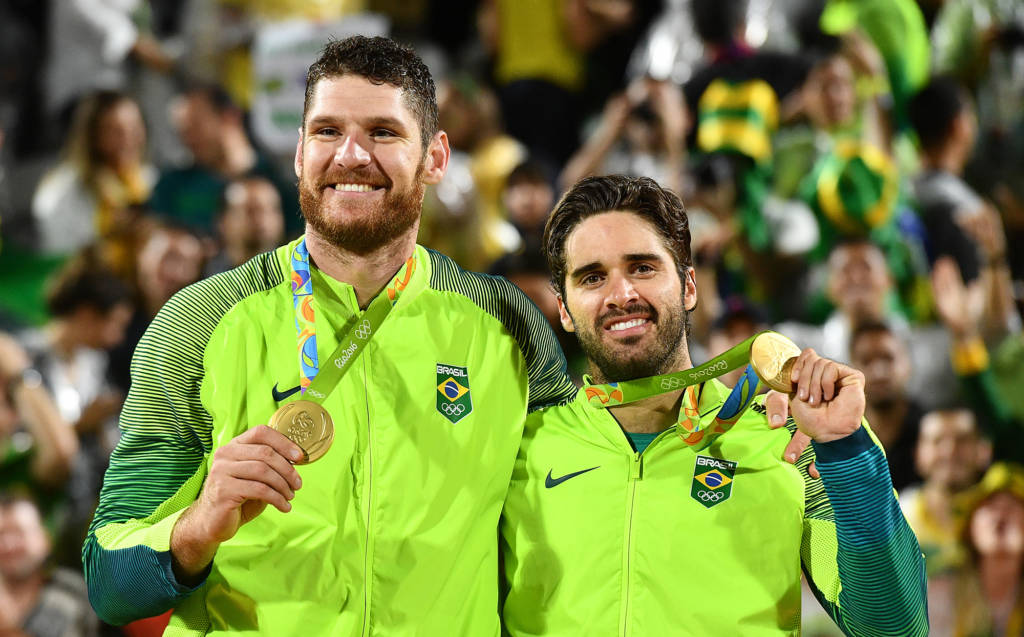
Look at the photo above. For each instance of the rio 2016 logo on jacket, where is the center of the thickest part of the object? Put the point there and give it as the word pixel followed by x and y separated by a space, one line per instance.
pixel 454 400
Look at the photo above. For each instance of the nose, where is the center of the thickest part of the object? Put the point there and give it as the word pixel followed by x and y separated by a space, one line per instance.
pixel 351 154
pixel 621 291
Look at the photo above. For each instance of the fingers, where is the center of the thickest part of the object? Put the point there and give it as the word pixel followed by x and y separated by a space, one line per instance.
pixel 255 466
pixel 256 471
pixel 243 491
pixel 269 450
pixel 797 444
pixel 796 447
pixel 777 406
pixel 817 379
pixel 264 435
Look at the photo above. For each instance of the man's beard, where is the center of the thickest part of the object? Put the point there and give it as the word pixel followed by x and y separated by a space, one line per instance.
pixel 362 231
pixel 636 363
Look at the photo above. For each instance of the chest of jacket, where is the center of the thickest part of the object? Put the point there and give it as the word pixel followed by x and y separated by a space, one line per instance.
pixel 668 542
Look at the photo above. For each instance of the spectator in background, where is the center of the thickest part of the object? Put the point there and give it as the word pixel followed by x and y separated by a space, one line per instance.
pixel 951 453
pixel 539 49
pixel 991 384
pixel 213 129
pixel 896 29
pixel 91 308
pixel 986 597
pixel 170 258
pixel 90 45
pixel 895 416
pixel 93 194
pixel 860 286
pixel 36 600
pixel 528 198
pixel 721 25
pixel 250 222
pixel 37 447
pixel 844 170
pixel 463 215
pixel 642 132
pixel 854 189
pixel 943 118
pixel 735 100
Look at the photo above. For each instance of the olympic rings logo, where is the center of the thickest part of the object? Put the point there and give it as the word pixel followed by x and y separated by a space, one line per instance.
pixel 671 383
pixel 313 392
pixel 710 496
pixel 364 330
pixel 453 409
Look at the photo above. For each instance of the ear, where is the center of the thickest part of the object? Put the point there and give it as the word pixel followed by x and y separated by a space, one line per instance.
pixel 690 290
pixel 563 315
pixel 298 156
pixel 436 161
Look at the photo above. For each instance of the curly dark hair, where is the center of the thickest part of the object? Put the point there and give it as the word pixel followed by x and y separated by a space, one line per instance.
pixel 594 195
pixel 381 61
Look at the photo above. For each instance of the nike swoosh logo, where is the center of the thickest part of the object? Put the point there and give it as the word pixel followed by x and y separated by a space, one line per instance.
pixel 281 395
pixel 554 482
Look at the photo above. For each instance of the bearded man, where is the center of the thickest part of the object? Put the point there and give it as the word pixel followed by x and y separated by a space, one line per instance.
pixel 655 503
pixel 395 386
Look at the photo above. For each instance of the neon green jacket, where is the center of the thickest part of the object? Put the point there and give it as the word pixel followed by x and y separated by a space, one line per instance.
pixel 600 540
pixel 393 530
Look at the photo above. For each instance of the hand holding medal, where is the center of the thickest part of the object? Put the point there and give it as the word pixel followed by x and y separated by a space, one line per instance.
pixel 308 425
pixel 826 398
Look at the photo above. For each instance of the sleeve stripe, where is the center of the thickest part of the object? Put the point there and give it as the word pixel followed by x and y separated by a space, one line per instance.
pixel 546 367
pixel 881 569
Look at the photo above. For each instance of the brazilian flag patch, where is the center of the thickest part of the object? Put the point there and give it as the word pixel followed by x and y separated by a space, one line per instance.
pixel 712 480
pixel 454 400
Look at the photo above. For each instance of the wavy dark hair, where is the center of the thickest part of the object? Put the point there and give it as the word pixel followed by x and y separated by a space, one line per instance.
pixel 594 195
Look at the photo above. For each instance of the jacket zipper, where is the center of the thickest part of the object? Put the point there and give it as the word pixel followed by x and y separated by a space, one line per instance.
pixel 368 551
pixel 635 474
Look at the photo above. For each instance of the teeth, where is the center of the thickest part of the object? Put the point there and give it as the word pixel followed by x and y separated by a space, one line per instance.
pixel 354 187
pixel 618 327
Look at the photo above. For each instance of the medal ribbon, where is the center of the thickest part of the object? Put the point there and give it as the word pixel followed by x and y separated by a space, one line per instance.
pixel 688 420
pixel 315 383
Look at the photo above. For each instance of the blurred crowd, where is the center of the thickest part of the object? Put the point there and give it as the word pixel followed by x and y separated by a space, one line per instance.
pixel 853 172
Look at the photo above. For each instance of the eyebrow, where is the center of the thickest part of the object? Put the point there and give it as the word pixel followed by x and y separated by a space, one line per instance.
pixel 629 258
pixel 643 256
pixel 583 269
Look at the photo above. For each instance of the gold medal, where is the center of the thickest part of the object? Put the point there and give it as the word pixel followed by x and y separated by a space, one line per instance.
pixel 772 356
pixel 308 425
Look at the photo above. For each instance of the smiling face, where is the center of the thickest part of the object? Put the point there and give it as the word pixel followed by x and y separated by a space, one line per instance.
pixel 624 298
pixel 361 164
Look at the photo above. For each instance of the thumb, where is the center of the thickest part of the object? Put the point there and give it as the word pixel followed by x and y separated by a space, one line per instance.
pixel 777 407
